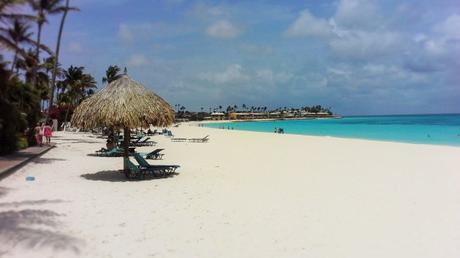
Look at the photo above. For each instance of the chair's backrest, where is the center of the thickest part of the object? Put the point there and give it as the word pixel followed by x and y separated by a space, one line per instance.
pixel 141 160
pixel 128 164
pixel 155 151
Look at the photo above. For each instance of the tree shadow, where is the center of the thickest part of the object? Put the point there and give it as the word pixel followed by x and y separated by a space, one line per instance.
pixel 77 141
pixel 119 176
pixel 3 191
pixel 34 228
pixel 41 160
pixel 34 202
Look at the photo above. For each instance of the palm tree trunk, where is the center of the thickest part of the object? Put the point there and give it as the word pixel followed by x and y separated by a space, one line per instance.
pixel 37 54
pixel 126 144
pixel 66 114
pixel 56 58
pixel 13 64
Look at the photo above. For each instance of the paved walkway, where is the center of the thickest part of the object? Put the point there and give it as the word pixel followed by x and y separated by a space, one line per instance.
pixel 10 163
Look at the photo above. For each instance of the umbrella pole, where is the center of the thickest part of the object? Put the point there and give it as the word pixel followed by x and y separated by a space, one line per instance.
pixel 126 134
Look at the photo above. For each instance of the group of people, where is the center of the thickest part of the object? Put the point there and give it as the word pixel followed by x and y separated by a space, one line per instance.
pixel 43 130
pixel 279 130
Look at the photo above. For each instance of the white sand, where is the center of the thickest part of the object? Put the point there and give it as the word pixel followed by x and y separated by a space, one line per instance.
pixel 243 194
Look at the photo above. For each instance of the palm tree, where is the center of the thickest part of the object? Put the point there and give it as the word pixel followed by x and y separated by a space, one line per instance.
pixel 78 84
pixel 111 74
pixel 26 62
pixel 43 8
pixel 17 35
pixel 6 16
pixel 66 9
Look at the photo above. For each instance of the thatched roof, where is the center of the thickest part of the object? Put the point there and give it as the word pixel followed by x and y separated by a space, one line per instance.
pixel 123 103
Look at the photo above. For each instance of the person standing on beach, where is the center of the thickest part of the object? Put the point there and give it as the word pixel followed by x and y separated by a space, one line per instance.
pixel 41 133
pixel 38 137
pixel 48 133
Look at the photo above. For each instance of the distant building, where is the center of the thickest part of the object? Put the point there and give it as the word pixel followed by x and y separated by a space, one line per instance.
pixel 217 116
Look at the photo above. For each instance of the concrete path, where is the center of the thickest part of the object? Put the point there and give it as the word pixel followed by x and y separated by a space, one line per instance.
pixel 11 162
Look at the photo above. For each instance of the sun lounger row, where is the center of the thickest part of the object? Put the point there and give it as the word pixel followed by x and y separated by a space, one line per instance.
pixel 201 140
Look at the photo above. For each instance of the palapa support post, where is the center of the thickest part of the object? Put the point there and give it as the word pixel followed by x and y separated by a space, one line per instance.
pixel 126 134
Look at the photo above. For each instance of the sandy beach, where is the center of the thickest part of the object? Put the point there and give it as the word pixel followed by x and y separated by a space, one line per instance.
pixel 242 194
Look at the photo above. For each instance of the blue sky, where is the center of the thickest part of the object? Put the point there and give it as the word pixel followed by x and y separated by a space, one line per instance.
pixel 356 56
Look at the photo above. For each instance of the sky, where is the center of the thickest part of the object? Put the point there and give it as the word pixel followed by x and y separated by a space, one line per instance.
pixel 358 57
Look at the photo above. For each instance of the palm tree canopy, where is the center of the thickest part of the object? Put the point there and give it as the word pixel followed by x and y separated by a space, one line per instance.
pixel 123 103
pixel 111 74
pixel 44 7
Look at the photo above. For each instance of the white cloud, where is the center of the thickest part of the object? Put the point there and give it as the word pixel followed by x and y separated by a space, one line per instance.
pixel 339 71
pixel 223 29
pixel 125 33
pixel 268 76
pixel 137 60
pixel 420 37
pixel 75 48
pixel 257 49
pixel 357 14
pixel 351 33
pixel 308 25
pixel 233 73
pixel 366 45
pixel 443 42
pixel 174 2
pixel 259 78
pixel 450 28
pixel 150 30
pixel 205 11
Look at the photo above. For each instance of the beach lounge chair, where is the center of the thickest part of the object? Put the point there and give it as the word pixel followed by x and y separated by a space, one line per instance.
pixel 115 152
pixel 154 169
pixel 134 140
pixel 133 171
pixel 155 154
pixel 175 139
pixel 143 142
pixel 204 139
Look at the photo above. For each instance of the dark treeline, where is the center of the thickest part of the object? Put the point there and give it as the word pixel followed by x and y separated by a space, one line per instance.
pixel 33 85
pixel 183 113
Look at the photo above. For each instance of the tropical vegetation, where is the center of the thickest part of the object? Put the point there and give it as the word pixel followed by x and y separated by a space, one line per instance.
pixel 31 77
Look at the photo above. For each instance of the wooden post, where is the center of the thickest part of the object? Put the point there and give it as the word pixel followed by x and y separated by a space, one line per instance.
pixel 126 134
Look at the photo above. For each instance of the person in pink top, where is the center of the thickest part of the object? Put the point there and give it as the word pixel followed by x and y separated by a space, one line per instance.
pixel 38 134
pixel 48 133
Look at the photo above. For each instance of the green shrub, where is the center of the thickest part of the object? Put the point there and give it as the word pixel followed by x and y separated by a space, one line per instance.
pixel 22 142
pixel 9 123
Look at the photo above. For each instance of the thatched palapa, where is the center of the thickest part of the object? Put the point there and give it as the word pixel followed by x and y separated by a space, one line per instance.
pixel 124 103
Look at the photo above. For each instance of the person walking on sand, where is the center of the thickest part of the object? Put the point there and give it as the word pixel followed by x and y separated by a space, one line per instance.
pixel 38 137
pixel 48 133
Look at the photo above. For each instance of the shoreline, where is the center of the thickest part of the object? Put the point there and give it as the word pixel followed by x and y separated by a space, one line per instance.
pixel 194 123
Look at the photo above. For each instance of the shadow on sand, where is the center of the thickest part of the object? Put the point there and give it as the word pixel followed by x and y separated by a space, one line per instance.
pixel 62 141
pixel 41 160
pixel 34 228
pixel 119 176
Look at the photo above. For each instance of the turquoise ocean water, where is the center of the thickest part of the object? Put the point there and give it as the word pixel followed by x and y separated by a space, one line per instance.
pixel 443 129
